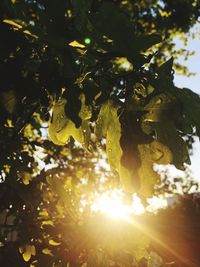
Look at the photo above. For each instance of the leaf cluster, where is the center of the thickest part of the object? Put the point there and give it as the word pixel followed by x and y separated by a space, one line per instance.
pixel 87 71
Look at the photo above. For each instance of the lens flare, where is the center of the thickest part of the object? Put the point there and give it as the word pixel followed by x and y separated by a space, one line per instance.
pixel 112 204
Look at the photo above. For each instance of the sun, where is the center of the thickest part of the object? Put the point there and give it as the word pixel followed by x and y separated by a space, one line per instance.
pixel 111 203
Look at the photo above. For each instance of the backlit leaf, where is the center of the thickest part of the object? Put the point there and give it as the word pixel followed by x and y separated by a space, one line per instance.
pixel 47 251
pixel 54 243
pixel 150 154
pixel 61 128
pixel 28 252
pixel 108 125
pixel 167 134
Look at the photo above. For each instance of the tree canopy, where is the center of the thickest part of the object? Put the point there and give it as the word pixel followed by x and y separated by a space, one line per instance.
pixel 97 78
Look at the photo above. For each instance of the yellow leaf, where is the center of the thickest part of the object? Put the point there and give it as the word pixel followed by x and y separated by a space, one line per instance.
pixel 27 253
pixel 70 130
pixel 12 23
pixel 103 120
pixel 47 251
pixel 43 213
pixel 48 222
pixel 21 250
pixel 26 177
pixel 7 168
pixel 53 243
pixel 33 250
pixel 61 128
pixel 85 112
pixel 108 125
pixel 29 33
pixel 76 44
pixel 19 27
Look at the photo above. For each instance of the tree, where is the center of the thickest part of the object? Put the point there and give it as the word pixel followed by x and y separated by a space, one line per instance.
pixel 93 66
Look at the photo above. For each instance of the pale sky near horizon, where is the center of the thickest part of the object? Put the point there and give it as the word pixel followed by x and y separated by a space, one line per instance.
pixel 193 82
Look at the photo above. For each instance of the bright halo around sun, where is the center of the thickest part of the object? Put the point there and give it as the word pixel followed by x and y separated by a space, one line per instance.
pixel 111 203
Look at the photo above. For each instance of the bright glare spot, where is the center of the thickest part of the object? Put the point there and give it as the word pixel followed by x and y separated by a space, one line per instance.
pixel 83 181
pixel 137 206
pixel 156 203
pixel 87 41
pixel 111 203
pixel 126 65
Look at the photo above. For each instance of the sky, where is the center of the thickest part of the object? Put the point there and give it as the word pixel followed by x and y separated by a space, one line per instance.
pixel 193 83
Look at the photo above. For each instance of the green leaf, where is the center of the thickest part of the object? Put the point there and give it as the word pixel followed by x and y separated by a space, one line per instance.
pixel 167 134
pixel 81 8
pixel 164 81
pixel 143 42
pixel 110 21
pixel 162 107
pixel 9 100
pixel 191 107
pixel 166 68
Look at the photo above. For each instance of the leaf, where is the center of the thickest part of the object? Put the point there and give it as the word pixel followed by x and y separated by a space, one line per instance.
pixel 164 81
pixel 26 256
pixel 48 222
pixel 33 250
pixel 85 112
pixel 143 42
pixel 191 107
pixel 112 22
pixel 19 27
pixel 162 112
pixel 81 8
pixel 12 23
pixel 58 188
pixel 61 128
pixel 54 243
pixel 167 134
pixel 166 68
pixel 43 213
pixel 103 120
pixel 162 107
pixel 27 252
pixel 76 44
pixel 150 154
pixel 9 101
pixel 47 251
pixel 26 177
pixel 108 125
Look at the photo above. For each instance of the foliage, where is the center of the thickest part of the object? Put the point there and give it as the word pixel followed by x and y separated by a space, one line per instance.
pixel 92 65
